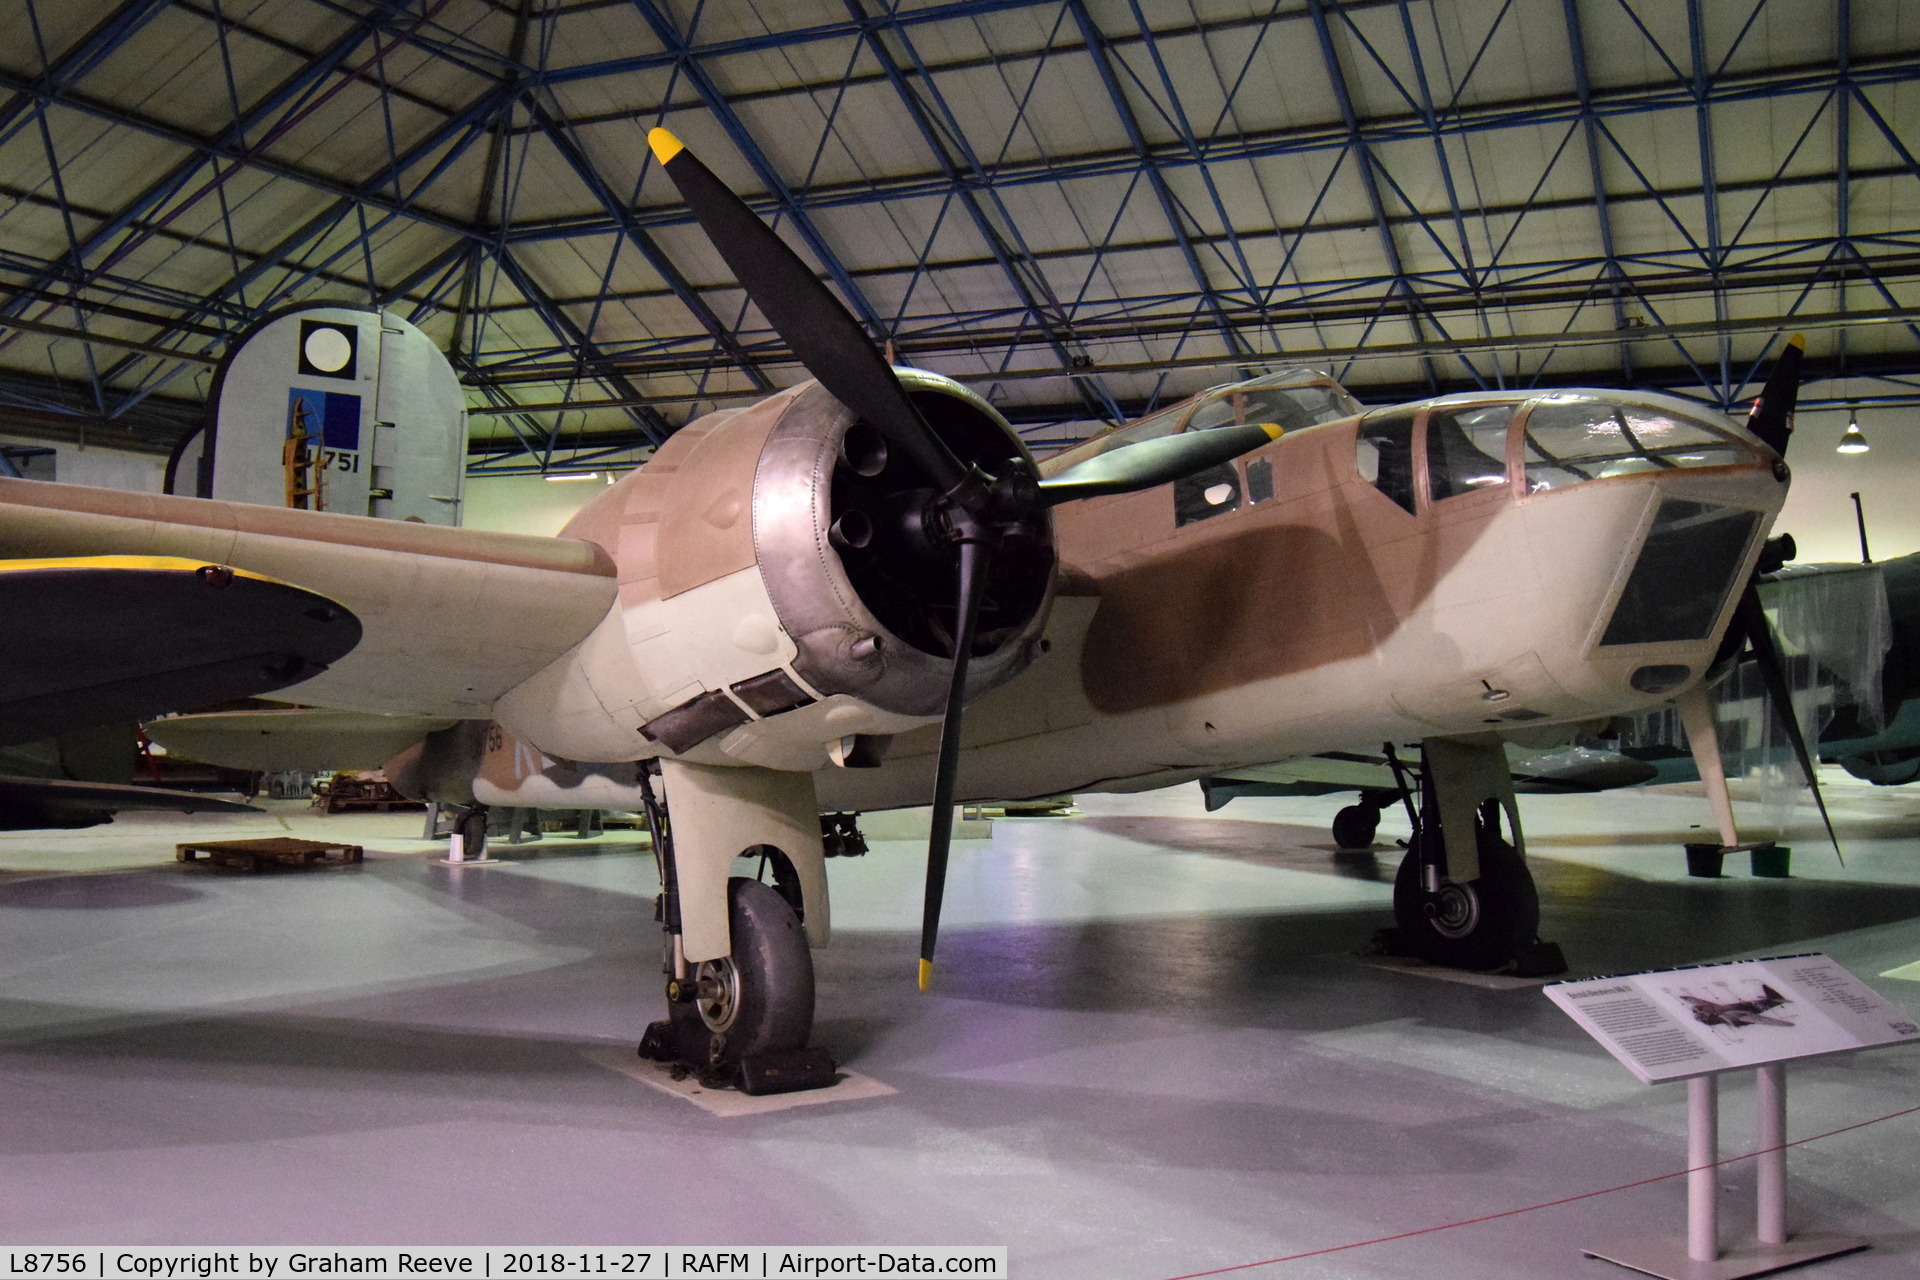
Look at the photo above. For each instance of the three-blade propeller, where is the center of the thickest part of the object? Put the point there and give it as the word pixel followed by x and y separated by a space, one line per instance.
pixel 972 510
pixel 1771 419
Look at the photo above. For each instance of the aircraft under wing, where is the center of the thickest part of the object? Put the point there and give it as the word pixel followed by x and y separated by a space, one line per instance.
pixel 282 739
pixel 1553 772
pixel 93 640
pixel 451 618
pixel 34 803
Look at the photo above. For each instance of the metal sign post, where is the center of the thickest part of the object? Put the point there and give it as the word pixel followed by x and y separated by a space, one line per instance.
pixel 1695 1024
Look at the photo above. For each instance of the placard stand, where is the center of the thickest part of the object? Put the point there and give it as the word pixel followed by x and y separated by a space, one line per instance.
pixel 1702 1257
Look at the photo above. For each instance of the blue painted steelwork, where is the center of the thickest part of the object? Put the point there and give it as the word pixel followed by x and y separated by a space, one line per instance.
pixel 1190 271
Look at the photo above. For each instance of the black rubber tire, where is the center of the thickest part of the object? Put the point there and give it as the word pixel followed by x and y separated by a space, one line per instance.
pixel 1353 826
pixel 1504 906
pixel 775 972
pixel 473 835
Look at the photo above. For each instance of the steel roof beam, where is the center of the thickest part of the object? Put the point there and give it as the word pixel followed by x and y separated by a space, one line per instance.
pixel 233 139
pixel 1360 149
pixel 1101 53
pixel 900 18
pixel 1016 261
pixel 1702 80
pixel 88 52
pixel 1313 227
pixel 669 34
pixel 1512 114
pixel 657 258
pixel 457 135
pixel 656 427
pixel 1441 347
pixel 1339 301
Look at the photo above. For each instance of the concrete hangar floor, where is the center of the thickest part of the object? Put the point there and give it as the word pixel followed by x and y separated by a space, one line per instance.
pixel 1151 1051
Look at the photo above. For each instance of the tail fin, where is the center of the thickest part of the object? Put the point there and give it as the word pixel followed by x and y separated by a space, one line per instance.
pixel 333 409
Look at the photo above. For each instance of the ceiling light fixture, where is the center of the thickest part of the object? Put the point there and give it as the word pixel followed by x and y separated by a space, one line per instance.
pixel 1853 441
pixel 577 475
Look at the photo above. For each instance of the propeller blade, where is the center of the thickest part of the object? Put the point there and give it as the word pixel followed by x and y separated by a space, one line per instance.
pixel 1752 618
pixel 803 311
pixel 973 576
pixel 1771 417
pixel 1154 462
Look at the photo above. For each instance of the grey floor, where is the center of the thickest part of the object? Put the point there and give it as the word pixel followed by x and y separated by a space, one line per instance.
pixel 1151 1051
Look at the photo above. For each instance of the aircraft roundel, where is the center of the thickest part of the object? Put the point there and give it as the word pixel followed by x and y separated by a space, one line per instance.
pixel 327 348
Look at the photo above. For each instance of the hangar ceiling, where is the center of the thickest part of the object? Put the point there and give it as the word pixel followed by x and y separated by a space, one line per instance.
pixel 1081 207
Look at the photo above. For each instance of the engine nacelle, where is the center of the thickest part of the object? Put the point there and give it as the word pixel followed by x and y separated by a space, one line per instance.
pixel 778 601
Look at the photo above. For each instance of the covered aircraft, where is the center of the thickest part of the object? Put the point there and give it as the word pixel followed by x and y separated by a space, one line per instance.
pixel 786 611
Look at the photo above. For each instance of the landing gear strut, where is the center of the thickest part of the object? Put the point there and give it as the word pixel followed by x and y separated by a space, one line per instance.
pixel 741 1019
pixel 1464 899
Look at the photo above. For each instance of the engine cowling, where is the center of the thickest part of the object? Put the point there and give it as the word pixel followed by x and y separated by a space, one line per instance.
pixel 778 601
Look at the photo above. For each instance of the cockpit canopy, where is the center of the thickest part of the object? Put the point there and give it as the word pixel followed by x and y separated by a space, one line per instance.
pixel 1292 398
pixel 1575 436
pixel 1476 443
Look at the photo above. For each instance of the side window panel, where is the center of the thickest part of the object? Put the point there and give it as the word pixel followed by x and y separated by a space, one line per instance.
pixel 1383 452
pixel 1212 492
pixel 1259 480
pixel 1467 449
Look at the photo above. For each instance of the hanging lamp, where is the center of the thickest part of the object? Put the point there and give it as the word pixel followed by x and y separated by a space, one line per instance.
pixel 1853 441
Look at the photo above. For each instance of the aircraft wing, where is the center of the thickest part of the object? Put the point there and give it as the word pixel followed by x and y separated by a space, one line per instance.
pixel 91 640
pixel 30 803
pixel 451 618
pixel 294 738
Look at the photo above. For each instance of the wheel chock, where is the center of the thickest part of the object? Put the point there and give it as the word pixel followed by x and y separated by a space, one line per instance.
pixel 1538 960
pixel 686 1046
pixel 787 1071
pixel 1769 860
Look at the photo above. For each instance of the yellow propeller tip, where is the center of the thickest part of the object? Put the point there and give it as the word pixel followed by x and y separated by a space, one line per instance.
pixel 665 145
pixel 1273 429
pixel 926 974
pixel 1798 340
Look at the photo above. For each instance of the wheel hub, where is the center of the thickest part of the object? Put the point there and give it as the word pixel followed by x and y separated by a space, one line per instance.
pixel 1454 910
pixel 717 993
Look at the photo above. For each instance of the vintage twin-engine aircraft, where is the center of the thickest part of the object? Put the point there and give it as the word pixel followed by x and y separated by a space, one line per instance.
pixel 1739 1013
pixel 772 608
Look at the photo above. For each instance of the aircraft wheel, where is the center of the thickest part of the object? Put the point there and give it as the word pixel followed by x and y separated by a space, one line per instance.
pixel 1353 826
pixel 1481 924
pixel 473 834
pixel 760 997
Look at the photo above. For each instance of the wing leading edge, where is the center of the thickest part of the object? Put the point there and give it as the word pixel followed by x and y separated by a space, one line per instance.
pixel 451 618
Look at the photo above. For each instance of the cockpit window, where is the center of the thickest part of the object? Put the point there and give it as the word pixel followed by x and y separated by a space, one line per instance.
pixel 1574 438
pixel 1292 407
pixel 1383 452
pixel 1467 449
pixel 1292 398
pixel 1296 407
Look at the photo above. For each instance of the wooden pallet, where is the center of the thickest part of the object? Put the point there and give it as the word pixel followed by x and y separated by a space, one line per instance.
pixel 254 855
pixel 360 804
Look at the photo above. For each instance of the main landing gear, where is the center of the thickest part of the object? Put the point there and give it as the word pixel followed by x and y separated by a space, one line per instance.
pixel 743 1018
pixel 1354 826
pixel 1463 897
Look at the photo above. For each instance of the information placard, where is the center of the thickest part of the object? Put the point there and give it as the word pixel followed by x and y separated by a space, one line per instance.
pixel 1674 1023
